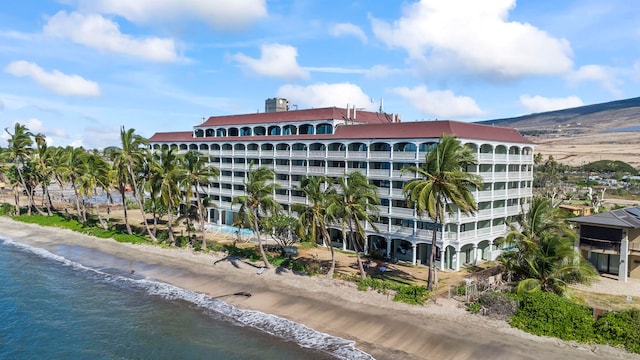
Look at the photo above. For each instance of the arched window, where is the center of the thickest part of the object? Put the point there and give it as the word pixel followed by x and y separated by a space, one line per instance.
pixel 199 133
pixel 306 129
pixel 245 131
pixel 274 130
pixel 299 147
pixel 324 129
pixel 215 147
pixel 282 147
pixel 210 132
pixel 233 131
pixel 165 147
pixel 193 147
pixel 380 146
pixel 337 147
pixel 357 147
pixel 317 147
pixel 501 149
pixel 427 146
pixel 486 149
pixel 183 146
pixel 404 147
pixel 227 147
pixel 260 131
pixel 238 147
pixel 289 130
pixel 267 147
pixel 252 147
pixel 221 132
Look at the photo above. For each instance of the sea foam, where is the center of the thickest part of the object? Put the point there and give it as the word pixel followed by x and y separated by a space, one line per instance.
pixel 271 324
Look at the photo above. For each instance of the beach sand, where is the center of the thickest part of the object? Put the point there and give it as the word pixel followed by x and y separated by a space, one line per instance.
pixel 379 326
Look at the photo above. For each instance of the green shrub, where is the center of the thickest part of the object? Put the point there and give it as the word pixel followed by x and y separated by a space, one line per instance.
pixel 620 328
pixel 474 308
pixel 497 304
pixel 6 209
pixel 414 295
pixel 547 314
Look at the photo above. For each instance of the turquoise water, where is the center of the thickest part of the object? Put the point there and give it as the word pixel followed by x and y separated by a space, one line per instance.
pixel 55 308
pixel 229 229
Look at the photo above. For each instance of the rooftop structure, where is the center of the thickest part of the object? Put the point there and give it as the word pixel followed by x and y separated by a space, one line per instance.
pixel 335 141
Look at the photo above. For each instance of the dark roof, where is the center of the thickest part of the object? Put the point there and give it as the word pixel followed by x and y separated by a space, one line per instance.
pixel 408 130
pixel 330 113
pixel 624 218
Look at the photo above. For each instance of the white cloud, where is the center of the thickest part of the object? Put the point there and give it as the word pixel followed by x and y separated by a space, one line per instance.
pixel 348 29
pixel 326 95
pixel 221 14
pixel 103 34
pixel 603 75
pixel 537 104
pixel 442 104
pixel 475 36
pixel 276 60
pixel 55 81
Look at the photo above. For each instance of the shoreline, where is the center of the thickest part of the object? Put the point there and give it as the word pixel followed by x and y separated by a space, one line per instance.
pixel 379 326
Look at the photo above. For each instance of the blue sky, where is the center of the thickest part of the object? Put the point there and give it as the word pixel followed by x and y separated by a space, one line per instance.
pixel 77 70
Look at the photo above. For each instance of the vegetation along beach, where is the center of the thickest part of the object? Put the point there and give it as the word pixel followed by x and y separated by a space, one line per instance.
pixel 356 180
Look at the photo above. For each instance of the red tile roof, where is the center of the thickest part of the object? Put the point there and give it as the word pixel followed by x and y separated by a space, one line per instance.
pixel 407 130
pixel 330 113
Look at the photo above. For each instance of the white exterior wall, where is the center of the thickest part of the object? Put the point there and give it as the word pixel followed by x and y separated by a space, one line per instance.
pixel 507 170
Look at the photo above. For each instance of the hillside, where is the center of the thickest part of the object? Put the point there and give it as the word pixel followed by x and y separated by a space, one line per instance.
pixel 607 131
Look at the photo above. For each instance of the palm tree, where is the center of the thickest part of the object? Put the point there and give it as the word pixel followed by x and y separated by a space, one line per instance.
pixel 543 256
pixel 94 176
pixel 356 205
pixel 71 172
pixel 258 201
pixel 45 171
pixel 126 159
pixel 442 184
pixel 19 152
pixel 312 217
pixel 197 174
pixel 169 177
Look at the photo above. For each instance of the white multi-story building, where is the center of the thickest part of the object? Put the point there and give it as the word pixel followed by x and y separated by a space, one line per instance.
pixel 334 141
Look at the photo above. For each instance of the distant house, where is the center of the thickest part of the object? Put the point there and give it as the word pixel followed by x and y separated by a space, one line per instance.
pixel 577 210
pixel 611 241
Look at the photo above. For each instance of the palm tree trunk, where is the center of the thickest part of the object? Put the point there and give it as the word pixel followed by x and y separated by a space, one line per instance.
pixel 201 215
pixel 124 209
pixel 327 242
pixel 138 197
pixel 256 228
pixel 431 262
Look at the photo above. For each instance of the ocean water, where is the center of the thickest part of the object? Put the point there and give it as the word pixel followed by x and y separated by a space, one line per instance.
pixel 55 308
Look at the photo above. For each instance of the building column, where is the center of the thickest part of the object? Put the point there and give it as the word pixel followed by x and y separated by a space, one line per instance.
pixel 389 248
pixel 475 255
pixel 413 254
pixel 624 257
pixel 442 258
pixel 490 251
pixel 455 258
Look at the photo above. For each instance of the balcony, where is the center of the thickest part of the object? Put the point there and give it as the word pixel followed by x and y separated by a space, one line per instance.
pixel 316 170
pixel 484 195
pixel 299 169
pixel 499 176
pixel 317 153
pixel 402 211
pixel 335 171
pixel 298 199
pixel 404 155
pixel 336 154
pixel 379 154
pixel 599 244
pixel 501 193
pixel 282 153
pixel 401 230
pixel 298 154
pixel 378 172
pixel 485 157
pixel 397 193
pixel 514 175
pixel 357 155
pixel 500 158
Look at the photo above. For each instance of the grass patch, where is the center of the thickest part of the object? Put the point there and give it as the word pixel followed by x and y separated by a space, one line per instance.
pixel 607 301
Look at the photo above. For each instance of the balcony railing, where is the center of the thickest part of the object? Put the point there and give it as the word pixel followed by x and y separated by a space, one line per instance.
pixel 379 154
pixel 336 154
pixel 378 172
pixel 599 244
pixel 357 154
pixel 404 155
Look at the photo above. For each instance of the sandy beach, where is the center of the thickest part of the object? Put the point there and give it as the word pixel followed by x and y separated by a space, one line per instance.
pixel 379 326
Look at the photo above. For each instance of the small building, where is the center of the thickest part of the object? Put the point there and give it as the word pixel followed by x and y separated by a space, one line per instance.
pixel 577 210
pixel 611 241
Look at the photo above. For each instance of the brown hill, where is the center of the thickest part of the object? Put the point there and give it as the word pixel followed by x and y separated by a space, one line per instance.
pixel 607 131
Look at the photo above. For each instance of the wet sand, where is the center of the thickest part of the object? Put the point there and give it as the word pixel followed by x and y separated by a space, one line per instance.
pixel 379 326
